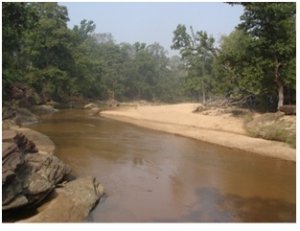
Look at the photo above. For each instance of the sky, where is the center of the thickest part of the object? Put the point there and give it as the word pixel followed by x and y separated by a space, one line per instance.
pixel 155 21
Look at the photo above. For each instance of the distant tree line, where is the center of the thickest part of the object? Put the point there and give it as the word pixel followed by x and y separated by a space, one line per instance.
pixel 256 62
pixel 57 62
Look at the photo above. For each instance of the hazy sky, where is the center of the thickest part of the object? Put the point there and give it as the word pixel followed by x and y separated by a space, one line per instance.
pixel 155 22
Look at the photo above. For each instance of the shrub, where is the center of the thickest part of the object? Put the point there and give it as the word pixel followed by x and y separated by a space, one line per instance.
pixel 271 126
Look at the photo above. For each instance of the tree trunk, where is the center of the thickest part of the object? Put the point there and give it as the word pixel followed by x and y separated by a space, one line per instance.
pixel 203 94
pixel 280 95
pixel 279 85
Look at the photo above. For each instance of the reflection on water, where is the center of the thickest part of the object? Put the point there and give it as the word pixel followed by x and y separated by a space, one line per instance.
pixel 151 176
pixel 214 206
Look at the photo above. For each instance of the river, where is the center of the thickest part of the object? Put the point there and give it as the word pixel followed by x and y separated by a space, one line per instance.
pixel 151 176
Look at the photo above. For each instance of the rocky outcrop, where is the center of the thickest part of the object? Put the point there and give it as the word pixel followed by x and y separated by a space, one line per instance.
pixel 19 116
pixel 31 172
pixel 72 202
pixel 44 109
pixel 94 109
pixel 43 143
pixel 27 176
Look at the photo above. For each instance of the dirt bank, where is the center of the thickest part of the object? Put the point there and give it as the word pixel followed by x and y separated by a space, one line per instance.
pixel 218 128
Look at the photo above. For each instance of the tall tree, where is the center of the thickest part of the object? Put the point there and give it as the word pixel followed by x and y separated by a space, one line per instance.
pixel 198 52
pixel 272 27
pixel 48 48
pixel 239 70
pixel 17 18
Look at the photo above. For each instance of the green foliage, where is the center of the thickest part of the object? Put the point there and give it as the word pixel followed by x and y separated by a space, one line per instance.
pixel 57 62
pixel 60 63
pixel 272 27
pixel 50 82
pixel 16 19
pixel 198 53
pixel 258 59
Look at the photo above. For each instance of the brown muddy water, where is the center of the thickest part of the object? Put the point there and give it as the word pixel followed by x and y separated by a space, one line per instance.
pixel 156 177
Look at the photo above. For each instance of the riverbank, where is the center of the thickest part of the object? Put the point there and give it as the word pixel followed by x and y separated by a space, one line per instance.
pixel 215 127
pixel 37 186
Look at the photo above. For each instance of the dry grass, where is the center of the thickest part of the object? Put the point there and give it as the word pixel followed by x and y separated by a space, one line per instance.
pixel 273 126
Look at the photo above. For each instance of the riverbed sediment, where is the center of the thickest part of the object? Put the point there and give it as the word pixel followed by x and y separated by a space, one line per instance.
pixel 222 129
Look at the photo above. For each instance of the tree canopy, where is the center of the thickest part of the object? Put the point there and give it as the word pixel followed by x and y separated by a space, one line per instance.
pixel 257 60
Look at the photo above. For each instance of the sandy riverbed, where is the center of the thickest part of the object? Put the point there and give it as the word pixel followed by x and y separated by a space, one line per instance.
pixel 218 128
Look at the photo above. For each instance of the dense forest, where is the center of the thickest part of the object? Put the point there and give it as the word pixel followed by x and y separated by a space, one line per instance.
pixel 255 65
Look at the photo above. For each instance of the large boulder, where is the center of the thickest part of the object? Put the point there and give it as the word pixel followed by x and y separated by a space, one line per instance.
pixel 27 176
pixel 72 202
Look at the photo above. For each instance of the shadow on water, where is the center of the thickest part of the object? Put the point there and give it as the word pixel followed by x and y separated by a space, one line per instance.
pixel 233 208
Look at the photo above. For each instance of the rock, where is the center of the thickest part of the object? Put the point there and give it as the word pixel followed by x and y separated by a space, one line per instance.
pixel 9 135
pixel 200 108
pixel 44 109
pixel 71 203
pixel 94 111
pixel 11 158
pixel 27 176
pixel 13 137
pixel 33 178
pixel 8 113
pixel 43 143
pixel 25 117
pixel 8 124
pixel 90 106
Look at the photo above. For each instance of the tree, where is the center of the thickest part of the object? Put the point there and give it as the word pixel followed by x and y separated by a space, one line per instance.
pixel 41 52
pixel 17 18
pixel 273 31
pixel 239 70
pixel 198 52
pixel 48 48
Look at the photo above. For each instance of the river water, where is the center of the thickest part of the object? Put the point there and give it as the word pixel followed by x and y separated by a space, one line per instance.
pixel 151 176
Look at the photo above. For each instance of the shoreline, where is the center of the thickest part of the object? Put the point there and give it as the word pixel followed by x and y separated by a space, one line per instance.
pixel 216 133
